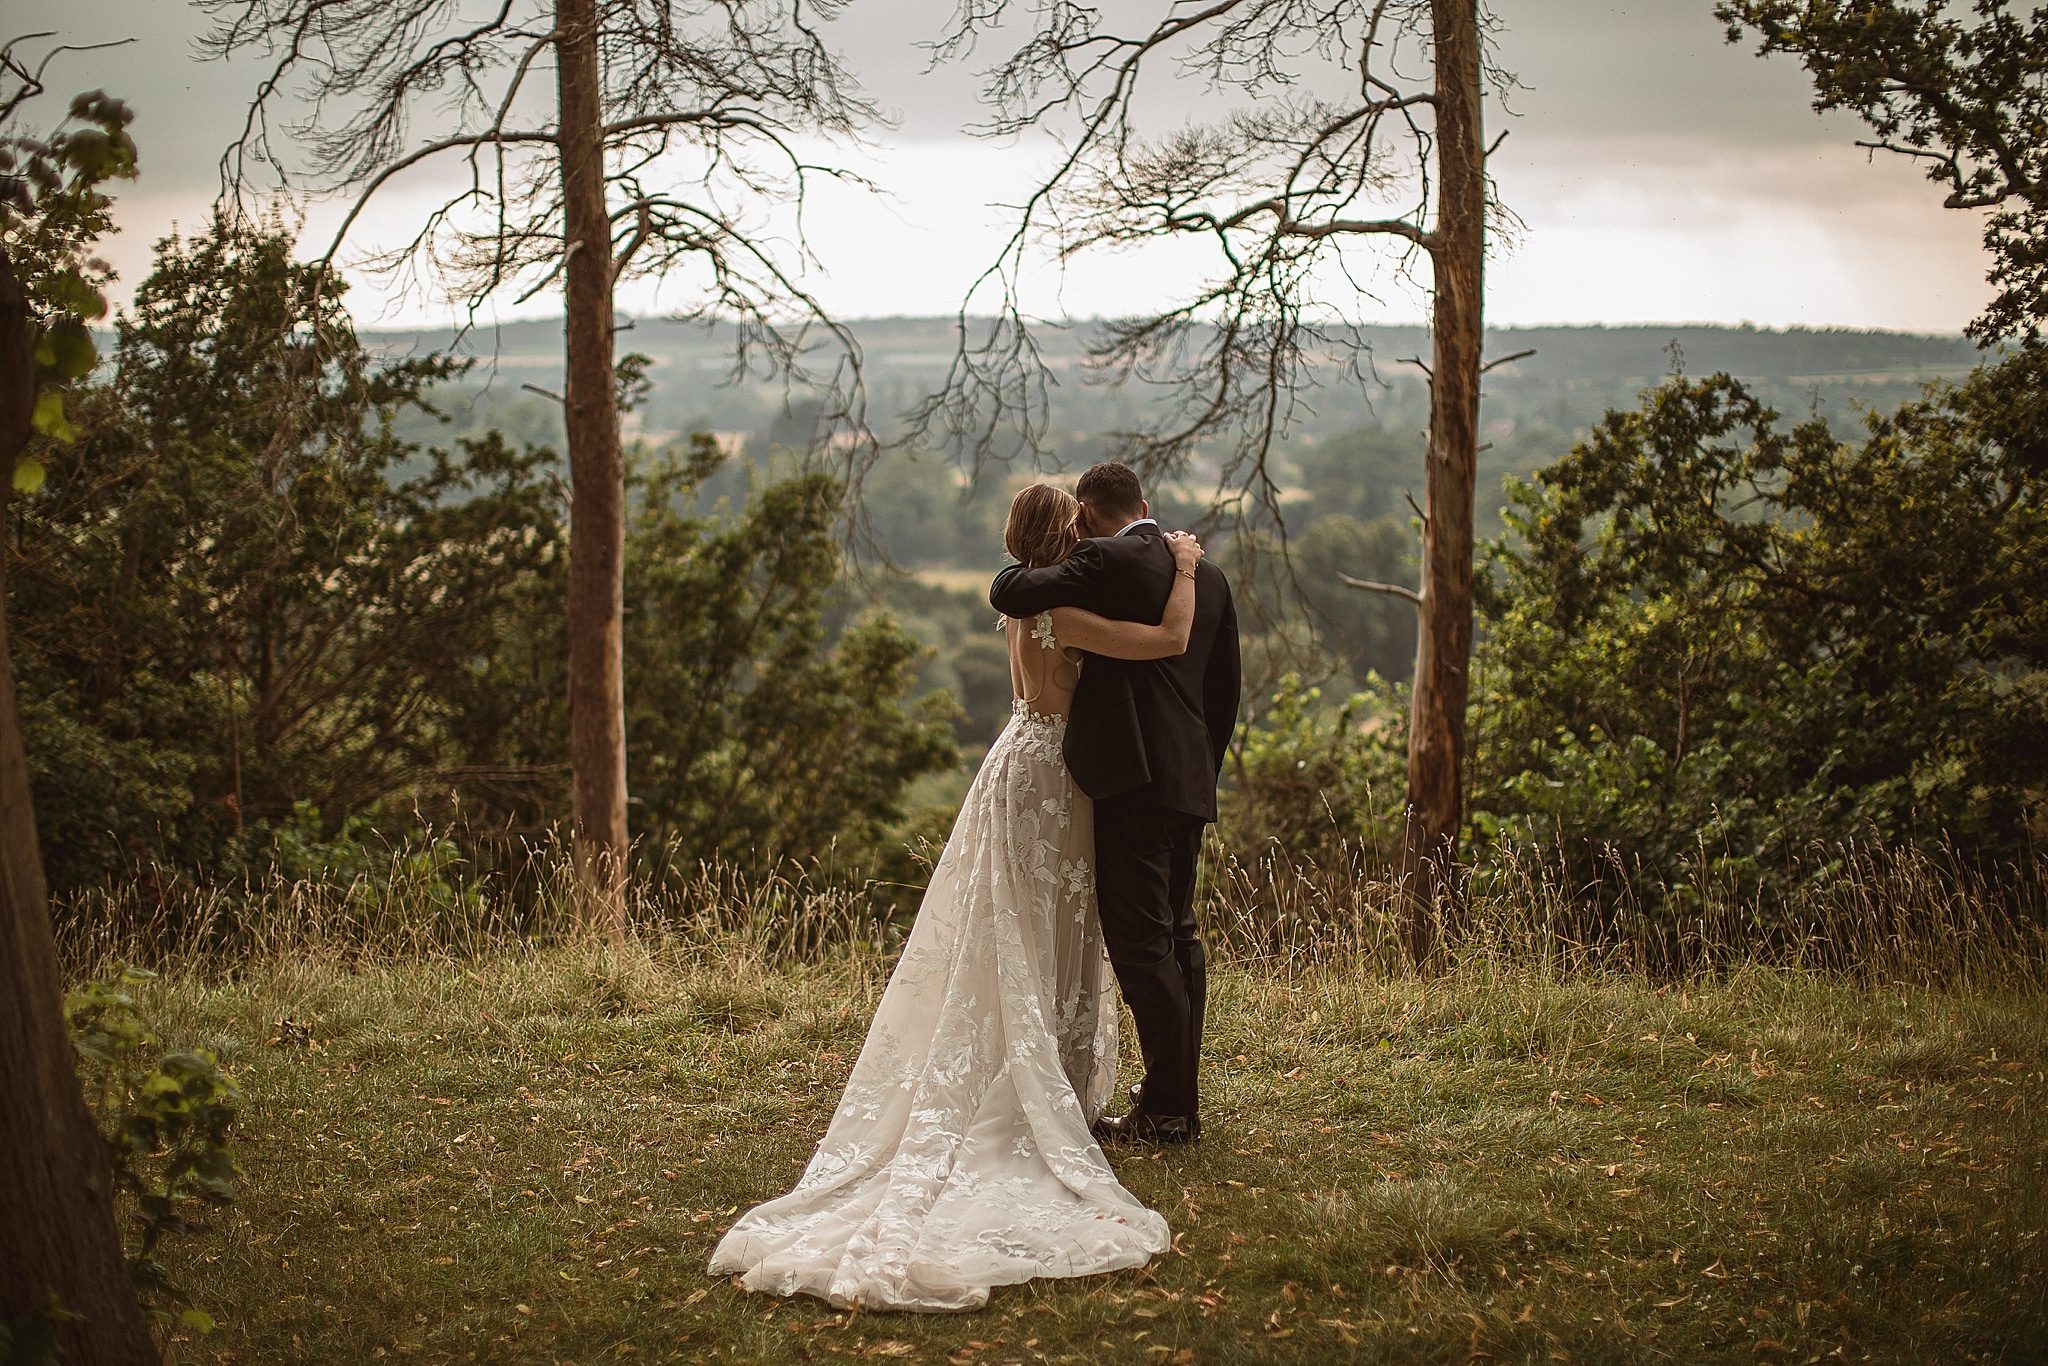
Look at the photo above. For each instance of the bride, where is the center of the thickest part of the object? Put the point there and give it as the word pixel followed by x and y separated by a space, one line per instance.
pixel 960 1156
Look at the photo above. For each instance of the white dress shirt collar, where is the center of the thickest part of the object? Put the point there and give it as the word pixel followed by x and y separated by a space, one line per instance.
pixel 1141 521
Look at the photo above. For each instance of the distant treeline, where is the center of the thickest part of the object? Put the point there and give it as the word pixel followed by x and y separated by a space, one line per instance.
pixel 1574 375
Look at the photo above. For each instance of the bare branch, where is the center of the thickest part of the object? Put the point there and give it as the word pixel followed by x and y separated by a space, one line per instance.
pixel 1392 589
pixel 713 95
pixel 1277 186
pixel 31 82
pixel 407 162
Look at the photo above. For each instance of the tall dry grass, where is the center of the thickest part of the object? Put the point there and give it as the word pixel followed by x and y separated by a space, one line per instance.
pixel 1894 915
pixel 1898 915
pixel 397 912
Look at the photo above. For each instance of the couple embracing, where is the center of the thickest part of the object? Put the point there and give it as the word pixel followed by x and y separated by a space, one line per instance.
pixel 967 1148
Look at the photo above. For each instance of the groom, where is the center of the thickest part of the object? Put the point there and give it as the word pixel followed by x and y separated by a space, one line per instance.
pixel 1146 742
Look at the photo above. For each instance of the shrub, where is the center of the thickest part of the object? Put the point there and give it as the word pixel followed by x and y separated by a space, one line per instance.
pixel 165 1116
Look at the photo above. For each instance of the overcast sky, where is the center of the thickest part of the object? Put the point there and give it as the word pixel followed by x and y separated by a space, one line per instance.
pixel 1664 176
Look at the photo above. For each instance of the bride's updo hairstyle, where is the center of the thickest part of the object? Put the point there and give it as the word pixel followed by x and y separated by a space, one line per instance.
pixel 1041 529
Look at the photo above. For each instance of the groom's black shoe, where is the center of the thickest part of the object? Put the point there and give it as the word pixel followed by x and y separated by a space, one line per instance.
pixel 1136 1092
pixel 1140 1126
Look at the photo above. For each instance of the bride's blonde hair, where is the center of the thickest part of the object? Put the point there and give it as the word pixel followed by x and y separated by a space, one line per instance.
pixel 1042 525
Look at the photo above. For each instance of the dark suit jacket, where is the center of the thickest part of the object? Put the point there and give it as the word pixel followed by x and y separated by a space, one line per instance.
pixel 1155 728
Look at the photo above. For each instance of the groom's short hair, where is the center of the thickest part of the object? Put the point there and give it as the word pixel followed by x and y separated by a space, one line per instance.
pixel 1111 488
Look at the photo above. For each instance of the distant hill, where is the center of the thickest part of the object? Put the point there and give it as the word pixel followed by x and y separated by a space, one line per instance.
pixel 924 345
pixel 1575 374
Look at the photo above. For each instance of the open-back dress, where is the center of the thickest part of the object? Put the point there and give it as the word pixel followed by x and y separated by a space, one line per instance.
pixel 960 1156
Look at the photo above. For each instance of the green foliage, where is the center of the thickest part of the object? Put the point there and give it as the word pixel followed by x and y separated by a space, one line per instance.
pixel 244 598
pixel 964 651
pixel 1315 783
pixel 30 1339
pixel 166 1118
pixel 922 511
pixel 1713 643
pixel 1720 653
pixel 1372 632
pixel 53 207
pixel 1966 95
pixel 748 737
pixel 267 629
pixel 981 662
pixel 1359 474
pixel 357 861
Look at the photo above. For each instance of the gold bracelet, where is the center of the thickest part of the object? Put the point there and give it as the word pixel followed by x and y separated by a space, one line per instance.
pixel 1189 572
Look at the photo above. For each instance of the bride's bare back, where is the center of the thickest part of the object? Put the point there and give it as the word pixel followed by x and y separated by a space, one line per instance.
pixel 1043 672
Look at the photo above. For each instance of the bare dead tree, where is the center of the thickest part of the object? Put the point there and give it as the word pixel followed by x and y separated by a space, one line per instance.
pixel 670 138
pixel 1352 127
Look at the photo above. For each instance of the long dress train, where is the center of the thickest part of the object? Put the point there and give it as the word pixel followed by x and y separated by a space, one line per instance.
pixel 959 1157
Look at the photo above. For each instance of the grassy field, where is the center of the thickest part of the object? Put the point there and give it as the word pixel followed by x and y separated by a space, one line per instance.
pixel 528 1156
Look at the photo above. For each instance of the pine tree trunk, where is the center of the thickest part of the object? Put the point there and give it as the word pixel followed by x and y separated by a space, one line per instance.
pixel 58 1241
pixel 597 705
pixel 1436 734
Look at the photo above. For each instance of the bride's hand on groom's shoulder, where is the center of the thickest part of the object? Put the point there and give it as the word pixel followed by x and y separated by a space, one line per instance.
pixel 1186 549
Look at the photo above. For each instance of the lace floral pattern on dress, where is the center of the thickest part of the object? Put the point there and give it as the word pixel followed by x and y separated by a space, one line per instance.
pixel 1041 631
pixel 959 1157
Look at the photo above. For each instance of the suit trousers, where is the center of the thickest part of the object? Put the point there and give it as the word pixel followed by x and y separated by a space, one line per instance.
pixel 1145 860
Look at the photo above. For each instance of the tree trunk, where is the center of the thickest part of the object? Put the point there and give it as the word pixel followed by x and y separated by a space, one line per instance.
pixel 58 1242
pixel 597 696
pixel 1436 732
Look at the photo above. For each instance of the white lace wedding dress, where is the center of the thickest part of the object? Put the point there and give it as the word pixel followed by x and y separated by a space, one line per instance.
pixel 959 1157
